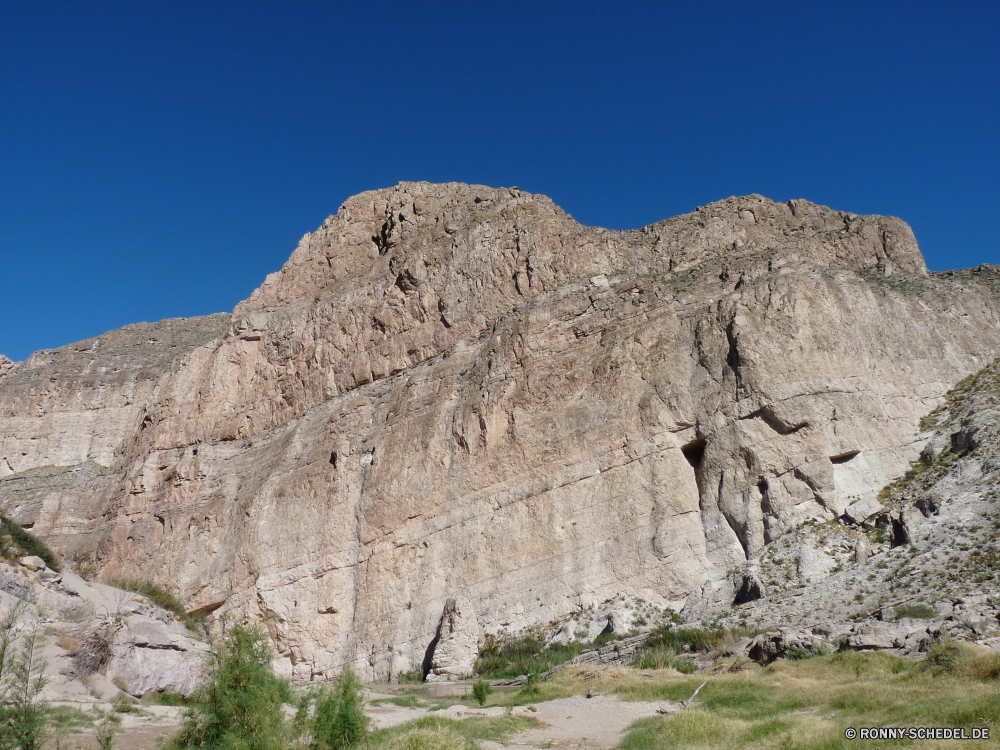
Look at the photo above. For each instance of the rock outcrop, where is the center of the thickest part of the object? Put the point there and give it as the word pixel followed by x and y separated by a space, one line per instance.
pixel 458 392
pixel 105 639
pixel 453 651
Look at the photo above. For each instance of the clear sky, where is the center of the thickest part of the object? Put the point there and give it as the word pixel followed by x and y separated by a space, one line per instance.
pixel 159 159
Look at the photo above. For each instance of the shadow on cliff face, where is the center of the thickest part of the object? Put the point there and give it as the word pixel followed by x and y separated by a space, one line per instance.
pixel 425 665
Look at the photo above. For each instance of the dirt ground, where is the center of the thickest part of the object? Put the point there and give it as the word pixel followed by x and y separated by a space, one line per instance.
pixel 578 722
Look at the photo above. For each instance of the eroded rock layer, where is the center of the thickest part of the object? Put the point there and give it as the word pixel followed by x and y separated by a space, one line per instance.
pixel 453 392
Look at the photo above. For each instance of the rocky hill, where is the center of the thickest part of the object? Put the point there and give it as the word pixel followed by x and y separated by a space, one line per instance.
pixel 455 410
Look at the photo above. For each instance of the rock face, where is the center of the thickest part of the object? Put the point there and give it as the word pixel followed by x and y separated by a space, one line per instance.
pixel 156 654
pixel 453 651
pixel 458 392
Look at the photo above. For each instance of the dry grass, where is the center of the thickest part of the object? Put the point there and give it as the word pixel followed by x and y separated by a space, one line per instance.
pixel 68 643
pixel 438 733
pixel 809 703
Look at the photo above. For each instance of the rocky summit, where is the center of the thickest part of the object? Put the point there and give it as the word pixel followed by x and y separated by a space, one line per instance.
pixel 455 411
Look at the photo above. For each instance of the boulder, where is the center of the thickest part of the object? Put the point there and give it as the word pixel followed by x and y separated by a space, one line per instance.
pixel 860 511
pixel 148 654
pixel 33 562
pixel 873 634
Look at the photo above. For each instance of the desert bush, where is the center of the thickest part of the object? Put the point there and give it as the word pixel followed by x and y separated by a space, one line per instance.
pixel 20 542
pixel 942 657
pixel 448 734
pixel 984 666
pixel 158 595
pixel 916 611
pixel 22 678
pixel 66 720
pixel 122 704
pixel 339 720
pixel 430 738
pixel 411 675
pixel 528 654
pixel 663 658
pixel 240 705
pixel 481 690
pixel 106 730
pixel 68 643
pixel 162 698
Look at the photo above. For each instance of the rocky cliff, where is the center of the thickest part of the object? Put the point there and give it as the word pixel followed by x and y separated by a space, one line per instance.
pixel 458 397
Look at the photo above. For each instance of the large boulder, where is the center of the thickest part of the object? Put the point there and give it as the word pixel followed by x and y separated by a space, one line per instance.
pixel 152 655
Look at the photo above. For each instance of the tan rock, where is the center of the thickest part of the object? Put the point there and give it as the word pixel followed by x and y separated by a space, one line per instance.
pixel 456 392
pixel 33 562
pixel 457 644
pixel 150 655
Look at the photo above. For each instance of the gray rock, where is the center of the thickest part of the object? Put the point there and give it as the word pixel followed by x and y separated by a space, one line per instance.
pixel 876 635
pixel 149 655
pixel 860 511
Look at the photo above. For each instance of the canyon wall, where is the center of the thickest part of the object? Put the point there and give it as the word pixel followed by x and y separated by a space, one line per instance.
pixel 458 397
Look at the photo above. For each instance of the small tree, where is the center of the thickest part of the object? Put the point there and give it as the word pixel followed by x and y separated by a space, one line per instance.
pixel 339 720
pixel 22 713
pixel 481 690
pixel 240 705
pixel 106 731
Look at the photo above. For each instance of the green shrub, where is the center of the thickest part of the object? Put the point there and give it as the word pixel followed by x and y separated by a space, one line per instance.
pixel 122 704
pixel 106 731
pixel 163 698
pixel 664 659
pixel 22 678
pixel 481 690
pixel 66 720
pixel 916 611
pixel 528 654
pixel 696 639
pixel 27 544
pixel 984 666
pixel 240 704
pixel 797 653
pixel 942 658
pixel 158 595
pixel 339 720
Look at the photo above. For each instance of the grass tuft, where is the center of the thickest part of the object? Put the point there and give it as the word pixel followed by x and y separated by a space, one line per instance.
pixel 159 596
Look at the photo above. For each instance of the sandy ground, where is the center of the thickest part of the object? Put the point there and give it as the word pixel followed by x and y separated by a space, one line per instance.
pixel 593 723
pixel 139 729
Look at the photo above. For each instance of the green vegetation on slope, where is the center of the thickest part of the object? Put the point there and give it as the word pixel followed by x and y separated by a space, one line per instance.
pixel 528 654
pixel 809 704
pixel 157 594
pixel 16 542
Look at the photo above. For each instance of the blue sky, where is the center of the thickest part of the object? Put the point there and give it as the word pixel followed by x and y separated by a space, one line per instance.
pixel 158 160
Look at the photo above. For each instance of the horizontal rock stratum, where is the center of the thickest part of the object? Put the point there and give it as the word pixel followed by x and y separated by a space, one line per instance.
pixel 457 397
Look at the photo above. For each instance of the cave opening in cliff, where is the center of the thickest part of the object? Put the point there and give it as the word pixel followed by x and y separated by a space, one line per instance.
pixel 694 452
pixel 750 590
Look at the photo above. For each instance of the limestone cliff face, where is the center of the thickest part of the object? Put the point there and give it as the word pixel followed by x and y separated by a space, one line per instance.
pixel 458 393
